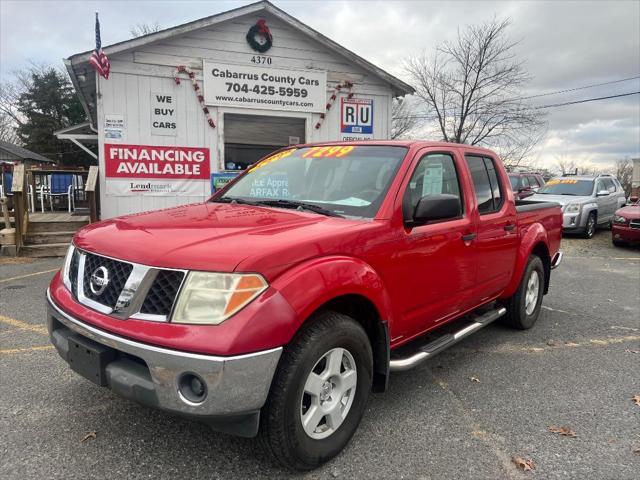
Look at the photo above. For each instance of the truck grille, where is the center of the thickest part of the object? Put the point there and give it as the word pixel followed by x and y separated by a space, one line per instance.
pixel 163 292
pixel 123 289
pixel 118 274
pixel 634 223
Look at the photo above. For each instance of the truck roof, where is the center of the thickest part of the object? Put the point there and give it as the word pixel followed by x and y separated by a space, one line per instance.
pixel 402 143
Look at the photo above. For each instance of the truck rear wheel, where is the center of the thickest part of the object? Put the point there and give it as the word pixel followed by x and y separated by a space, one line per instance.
pixel 319 393
pixel 523 308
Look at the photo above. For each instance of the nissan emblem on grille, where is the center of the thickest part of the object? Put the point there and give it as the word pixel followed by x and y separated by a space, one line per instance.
pixel 99 280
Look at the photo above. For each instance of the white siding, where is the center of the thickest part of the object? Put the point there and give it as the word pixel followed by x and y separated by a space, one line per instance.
pixel 135 75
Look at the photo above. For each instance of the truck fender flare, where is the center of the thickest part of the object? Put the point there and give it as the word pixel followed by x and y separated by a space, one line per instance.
pixel 325 279
pixel 535 235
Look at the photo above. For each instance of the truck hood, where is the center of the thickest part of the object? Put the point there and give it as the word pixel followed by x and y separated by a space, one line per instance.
pixel 561 199
pixel 217 237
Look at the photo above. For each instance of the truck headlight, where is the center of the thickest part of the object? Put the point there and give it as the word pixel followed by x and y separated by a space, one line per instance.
pixel 210 298
pixel 572 208
pixel 619 219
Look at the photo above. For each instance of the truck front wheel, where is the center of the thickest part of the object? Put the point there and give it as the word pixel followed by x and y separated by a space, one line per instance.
pixel 524 306
pixel 319 392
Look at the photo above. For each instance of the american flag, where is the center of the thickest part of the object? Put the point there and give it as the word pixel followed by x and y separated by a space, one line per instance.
pixel 99 60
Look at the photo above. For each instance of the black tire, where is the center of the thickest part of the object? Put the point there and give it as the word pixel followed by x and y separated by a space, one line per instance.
pixel 281 431
pixel 592 224
pixel 619 243
pixel 517 316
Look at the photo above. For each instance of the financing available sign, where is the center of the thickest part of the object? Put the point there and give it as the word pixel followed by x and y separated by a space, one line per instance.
pixel 262 87
pixel 356 119
pixel 156 170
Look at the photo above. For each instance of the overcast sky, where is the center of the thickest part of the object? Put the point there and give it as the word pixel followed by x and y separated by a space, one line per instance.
pixel 566 44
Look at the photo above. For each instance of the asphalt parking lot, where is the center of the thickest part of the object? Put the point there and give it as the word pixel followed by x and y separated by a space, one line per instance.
pixel 464 414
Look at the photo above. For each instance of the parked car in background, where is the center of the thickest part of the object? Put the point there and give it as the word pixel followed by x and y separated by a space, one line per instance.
pixel 588 201
pixel 525 184
pixel 626 225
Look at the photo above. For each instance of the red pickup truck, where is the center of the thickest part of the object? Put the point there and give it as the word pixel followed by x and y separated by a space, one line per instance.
pixel 280 303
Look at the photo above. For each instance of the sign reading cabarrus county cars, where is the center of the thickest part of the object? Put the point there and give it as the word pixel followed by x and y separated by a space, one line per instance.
pixel 268 88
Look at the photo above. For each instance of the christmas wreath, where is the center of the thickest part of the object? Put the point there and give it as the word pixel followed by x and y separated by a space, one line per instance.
pixel 259 37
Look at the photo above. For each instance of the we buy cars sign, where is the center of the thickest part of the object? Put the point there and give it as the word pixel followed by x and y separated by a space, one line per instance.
pixel 156 170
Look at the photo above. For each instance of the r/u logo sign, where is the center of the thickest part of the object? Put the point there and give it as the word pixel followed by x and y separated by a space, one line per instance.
pixel 357 116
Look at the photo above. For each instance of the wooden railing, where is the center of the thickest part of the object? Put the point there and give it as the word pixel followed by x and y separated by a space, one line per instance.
pixel 91 189
pixel 20 204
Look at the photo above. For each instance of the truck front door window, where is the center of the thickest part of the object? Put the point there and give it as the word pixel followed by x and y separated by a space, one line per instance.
pixel 436 173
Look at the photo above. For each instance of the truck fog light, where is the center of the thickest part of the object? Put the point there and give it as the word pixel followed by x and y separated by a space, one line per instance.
pixel 192 388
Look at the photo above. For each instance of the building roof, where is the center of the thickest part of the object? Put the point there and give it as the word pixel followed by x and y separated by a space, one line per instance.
pixel 85 88
pixel 22 153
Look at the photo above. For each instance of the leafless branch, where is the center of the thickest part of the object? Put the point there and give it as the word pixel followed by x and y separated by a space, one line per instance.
pixel 472 86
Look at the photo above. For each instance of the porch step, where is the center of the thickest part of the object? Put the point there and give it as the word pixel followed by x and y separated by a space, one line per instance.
pixel 44 250
pixel 48 226
pixel 39 238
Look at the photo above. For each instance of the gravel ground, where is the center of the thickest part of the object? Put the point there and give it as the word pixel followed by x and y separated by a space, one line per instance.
pixel 579 368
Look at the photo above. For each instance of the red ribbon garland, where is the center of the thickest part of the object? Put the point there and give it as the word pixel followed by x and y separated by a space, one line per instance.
pixel 333 97
pixel 196 88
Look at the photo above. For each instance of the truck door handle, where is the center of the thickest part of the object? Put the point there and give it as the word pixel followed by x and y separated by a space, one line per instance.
pixel 468 237
pixel 510 226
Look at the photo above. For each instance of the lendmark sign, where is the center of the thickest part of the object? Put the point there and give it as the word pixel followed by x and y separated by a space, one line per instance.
pixel 259 87
pixel 156 170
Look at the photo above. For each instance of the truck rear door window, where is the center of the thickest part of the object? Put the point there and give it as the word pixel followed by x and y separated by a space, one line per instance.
pixel 485 183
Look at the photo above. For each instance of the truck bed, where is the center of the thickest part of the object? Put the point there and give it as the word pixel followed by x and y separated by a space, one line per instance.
pixel 531 205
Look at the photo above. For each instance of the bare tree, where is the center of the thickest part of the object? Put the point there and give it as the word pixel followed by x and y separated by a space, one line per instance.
pixel 472 88
pixel 624 172
pixel 565 165
pixel 140 29
pixel 571 166
pixel 404 119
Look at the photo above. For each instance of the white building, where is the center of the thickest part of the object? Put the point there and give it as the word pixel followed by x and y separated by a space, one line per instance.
pixel 157 144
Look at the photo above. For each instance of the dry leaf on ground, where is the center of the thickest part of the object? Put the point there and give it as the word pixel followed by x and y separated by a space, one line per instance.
pixel 474 379
pixel 628 350
pixel 636 399
pixel 571 344
pixel 522 464
pixel 637 451
pixel 89 435
pixel 564 431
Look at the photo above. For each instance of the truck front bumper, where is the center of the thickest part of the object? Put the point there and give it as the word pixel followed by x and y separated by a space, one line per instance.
pixel 225 392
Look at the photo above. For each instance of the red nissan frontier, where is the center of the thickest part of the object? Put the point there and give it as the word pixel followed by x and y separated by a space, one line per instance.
pixel 279 304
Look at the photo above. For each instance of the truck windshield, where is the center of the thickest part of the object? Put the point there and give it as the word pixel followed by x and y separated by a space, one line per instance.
pixel 566 186
pixel 342 180
pixel 515 182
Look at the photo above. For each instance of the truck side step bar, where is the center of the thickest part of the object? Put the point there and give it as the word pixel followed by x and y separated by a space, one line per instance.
pixel 441 343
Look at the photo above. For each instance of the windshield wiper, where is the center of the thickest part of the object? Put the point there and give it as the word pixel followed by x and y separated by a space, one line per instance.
pixel 235 200
pixel 299 205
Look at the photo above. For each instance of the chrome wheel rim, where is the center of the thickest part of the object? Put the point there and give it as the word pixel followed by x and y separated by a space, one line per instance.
pixel 533 290
pixel 328 393
pixel 590 225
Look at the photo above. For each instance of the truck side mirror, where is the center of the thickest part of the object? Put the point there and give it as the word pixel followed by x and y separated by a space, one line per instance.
pixel 436 207
pixel 602 193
